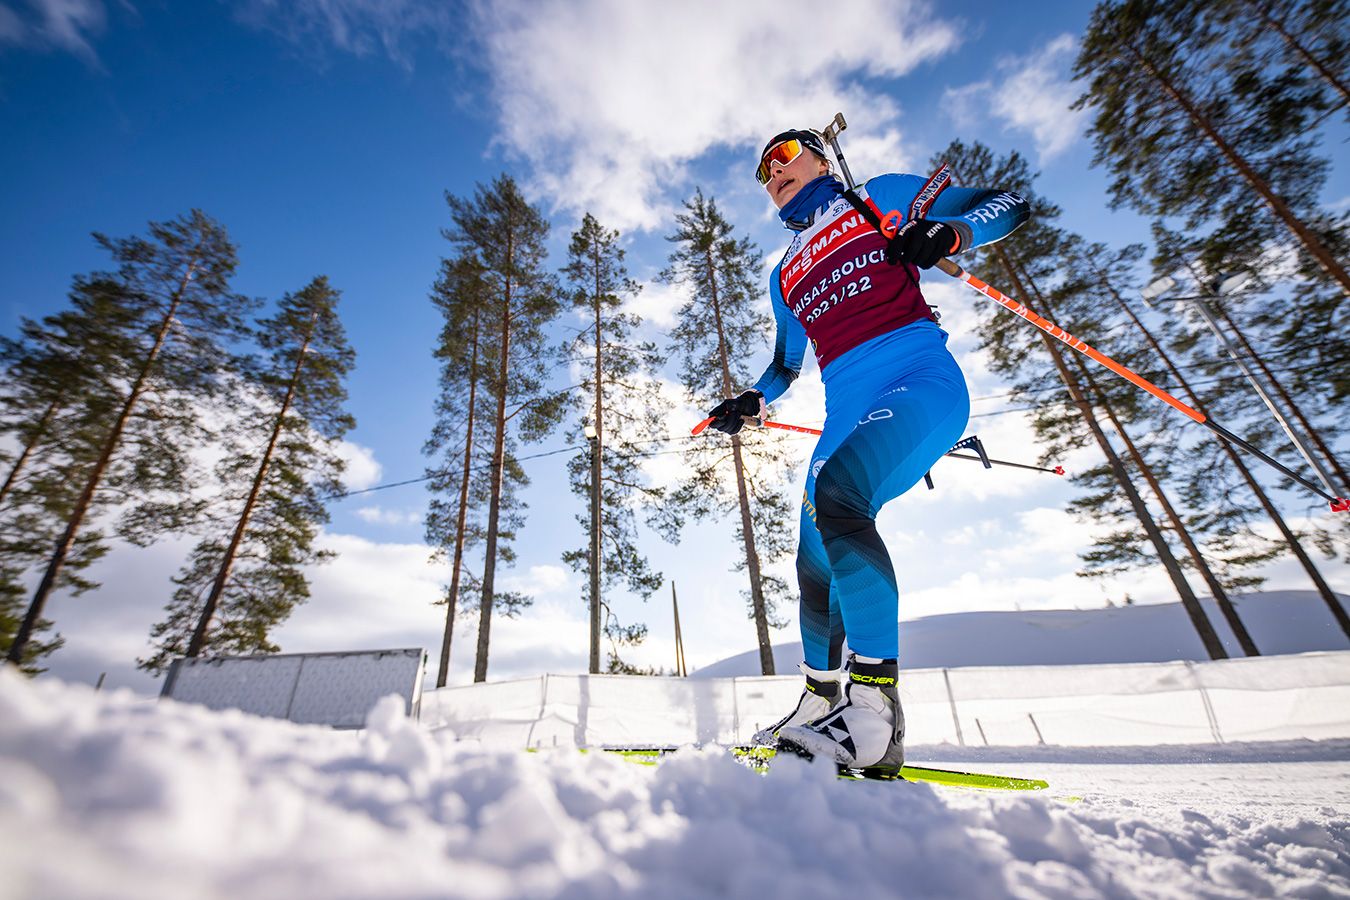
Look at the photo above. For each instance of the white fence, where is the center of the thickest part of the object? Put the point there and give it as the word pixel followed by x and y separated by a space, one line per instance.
pixel 335 689
pixel 1303 696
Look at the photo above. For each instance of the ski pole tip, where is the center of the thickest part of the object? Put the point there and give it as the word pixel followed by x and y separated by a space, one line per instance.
pixel 1340 504
pixel 1059 470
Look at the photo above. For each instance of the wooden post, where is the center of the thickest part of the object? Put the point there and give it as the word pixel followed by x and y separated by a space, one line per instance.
pixel 680 668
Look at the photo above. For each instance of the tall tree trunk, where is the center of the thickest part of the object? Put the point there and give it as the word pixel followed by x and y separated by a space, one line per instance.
pixel 1189 602
pixel 498 462
pixel 67 539
pixel 1295 547
pixel 742 492
pixel 33 440
pixel 1305 236
pixel 457 566
pixel 198 642
pixel 1216 588
pixel 1308 429
pixel 597 477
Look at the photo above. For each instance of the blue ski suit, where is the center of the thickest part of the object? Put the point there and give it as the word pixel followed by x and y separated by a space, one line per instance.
pixel 895 399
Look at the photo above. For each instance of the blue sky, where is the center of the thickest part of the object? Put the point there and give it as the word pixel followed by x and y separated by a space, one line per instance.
pixel 323 134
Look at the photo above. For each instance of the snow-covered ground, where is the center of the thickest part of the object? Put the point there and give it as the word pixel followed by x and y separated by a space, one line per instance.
pixel 110 795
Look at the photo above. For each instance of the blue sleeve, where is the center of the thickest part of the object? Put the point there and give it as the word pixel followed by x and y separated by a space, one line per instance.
pixel 979 215
pixel 789 346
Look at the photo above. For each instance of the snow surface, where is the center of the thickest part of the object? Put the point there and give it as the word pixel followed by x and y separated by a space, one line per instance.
pixel 109 795
pixel 1280 622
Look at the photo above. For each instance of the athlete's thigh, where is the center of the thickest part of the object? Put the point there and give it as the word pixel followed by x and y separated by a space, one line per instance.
pixel 900 435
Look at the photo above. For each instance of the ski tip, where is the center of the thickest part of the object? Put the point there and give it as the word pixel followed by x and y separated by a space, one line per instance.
pixel 1340 504
pixel 979 780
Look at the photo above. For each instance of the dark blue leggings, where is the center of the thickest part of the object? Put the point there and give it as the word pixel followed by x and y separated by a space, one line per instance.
pixel 893 406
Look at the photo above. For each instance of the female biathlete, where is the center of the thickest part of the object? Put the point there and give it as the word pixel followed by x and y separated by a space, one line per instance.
pixel 895 402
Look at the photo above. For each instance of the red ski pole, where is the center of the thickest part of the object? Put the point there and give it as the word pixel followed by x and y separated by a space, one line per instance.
pixel 758 423
pixel 769 423
pixel 1338 504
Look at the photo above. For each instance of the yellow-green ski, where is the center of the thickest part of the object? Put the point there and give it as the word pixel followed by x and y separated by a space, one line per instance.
pixel 759 757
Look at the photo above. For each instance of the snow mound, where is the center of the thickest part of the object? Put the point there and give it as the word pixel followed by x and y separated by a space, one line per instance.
pixel 109 795
pixel 1280 622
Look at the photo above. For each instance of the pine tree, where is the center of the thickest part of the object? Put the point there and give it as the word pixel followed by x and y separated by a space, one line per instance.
pixel 719 327
pixel 506 236
pixel 1219 479
pixel 459 486
pixel 12 595
pixel 46 382
pixel 1233 400
pixel 1192 125
pixel 619 401
pixel 1153 456
pixel 1312 362
pixel 1027 260
pixel 243 581
pixel 166 319
pixel 1308 35
pixel 1254 80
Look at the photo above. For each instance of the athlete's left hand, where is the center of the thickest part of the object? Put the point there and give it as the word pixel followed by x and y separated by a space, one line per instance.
pixel 729 415
pixel 922 242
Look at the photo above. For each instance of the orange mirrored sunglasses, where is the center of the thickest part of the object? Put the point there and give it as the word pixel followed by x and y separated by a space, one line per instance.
pixel 778 155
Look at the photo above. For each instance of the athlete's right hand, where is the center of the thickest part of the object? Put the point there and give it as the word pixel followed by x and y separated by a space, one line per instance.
pixel 922 242
pixel 728 416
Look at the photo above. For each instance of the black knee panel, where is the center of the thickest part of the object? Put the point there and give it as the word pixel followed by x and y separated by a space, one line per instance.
pixel 841 509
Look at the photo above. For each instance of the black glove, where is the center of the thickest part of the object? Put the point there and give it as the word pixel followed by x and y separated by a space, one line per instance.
pixel 727 415
pixel 921 242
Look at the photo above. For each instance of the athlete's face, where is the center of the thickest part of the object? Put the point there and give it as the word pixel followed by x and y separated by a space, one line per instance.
pixel 788 179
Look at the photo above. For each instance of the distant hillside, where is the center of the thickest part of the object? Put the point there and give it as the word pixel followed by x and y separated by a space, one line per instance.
pixel 1279 622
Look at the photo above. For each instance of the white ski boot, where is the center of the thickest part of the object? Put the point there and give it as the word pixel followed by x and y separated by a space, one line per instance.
pixel 866 730
pixel 817 699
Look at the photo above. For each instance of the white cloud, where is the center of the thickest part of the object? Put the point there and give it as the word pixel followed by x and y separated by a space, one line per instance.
pixel 548 637
pixel 1009 561
pixel 363 470
pixel 11 26
pixel 60 24
pixel 1031 94
pixel 359 27
pixel 971 591
pixel 611 101
pixel 657 303
pixel 378 515
pixel 664 468
pixel 377 595
pixel 370 595
pixel 966 104
pixel 1279 263
pixel 540 581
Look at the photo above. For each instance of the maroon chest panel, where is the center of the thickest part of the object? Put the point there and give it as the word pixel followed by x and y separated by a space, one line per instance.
pixel 836 281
